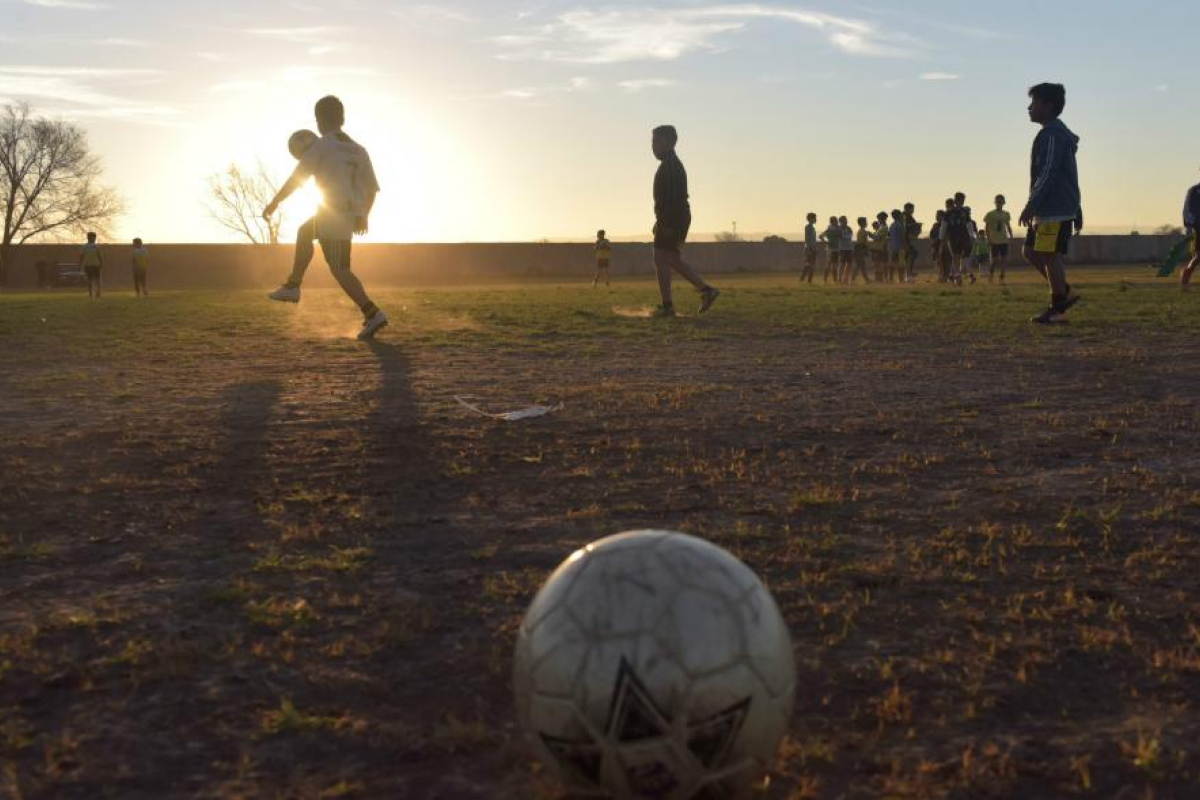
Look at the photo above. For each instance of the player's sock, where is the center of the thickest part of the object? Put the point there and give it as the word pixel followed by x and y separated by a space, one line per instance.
pixel 369 310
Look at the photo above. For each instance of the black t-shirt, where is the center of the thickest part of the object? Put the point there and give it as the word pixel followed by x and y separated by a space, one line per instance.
pixel 671 206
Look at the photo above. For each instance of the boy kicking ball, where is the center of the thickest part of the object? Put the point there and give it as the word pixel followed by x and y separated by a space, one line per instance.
pixel 1054 210
pixel 343 172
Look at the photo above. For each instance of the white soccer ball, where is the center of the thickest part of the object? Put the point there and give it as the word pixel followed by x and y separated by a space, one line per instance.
pixel 300 142
pixel 655 665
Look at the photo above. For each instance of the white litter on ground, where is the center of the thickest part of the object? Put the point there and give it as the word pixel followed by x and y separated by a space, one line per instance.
pixel 511 416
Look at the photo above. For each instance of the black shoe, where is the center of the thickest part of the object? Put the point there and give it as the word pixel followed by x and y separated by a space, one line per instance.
pixel 707 298
pixel 1047 317
pixel 664 312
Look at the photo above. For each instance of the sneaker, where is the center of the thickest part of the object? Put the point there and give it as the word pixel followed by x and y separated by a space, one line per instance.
pixel 1073 297
pixel 1047 317
pixel 707 298
pixel 373 325
pixel 286 294
pixel 663 312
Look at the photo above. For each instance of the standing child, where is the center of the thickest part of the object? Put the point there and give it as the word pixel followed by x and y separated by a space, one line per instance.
pixel 998 223
pixel 92 261
pixel 879 242
pixel 1055 208
pixel 847 245
pixel 603 258
pixel 898 246
pixel 862 248
pixel 811 245
pixel 833 240
pixel 983 251
pixel 935 243
pixel 141 263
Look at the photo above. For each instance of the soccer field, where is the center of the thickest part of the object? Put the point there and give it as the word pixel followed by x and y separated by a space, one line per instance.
pixel 243 554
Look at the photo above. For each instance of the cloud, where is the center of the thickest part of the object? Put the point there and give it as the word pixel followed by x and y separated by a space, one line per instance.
pixel 428 12
pixel 641 84
pixel 579 84
pixel 939 76
pixel 82 92
pixel 72 5
pixel 1162 87
pixel 320 35
pixel 665 34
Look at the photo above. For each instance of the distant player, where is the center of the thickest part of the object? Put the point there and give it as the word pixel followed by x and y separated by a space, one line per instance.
pixel 1055 209
pixel 833 240
pixel 603 248
pixel 956 237
pixel 862 250
pixel 92 262
pixel 672 221
pixel 898 246
pixel 811 246
pixel 935 245
pixel 983 251
pixel 141 263
pixel 1191 223
pixel 343 172
pixel 879 239
pixel 847 247
pixel 913 231
pixel 998 223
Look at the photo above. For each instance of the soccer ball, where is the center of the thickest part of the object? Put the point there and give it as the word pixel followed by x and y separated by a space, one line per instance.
pixel 299 143
pixel 654 665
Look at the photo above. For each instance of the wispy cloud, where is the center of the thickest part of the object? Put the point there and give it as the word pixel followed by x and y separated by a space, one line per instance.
pixel 642 84
pixel 312 35
pixel 665 34
pixel 939 76
pixel 73 5
pixel 83 92
pixel 428 12
pixel 578 84
pixel 1162 87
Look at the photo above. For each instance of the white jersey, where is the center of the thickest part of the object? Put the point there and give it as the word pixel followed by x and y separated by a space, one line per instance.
pixel 343 172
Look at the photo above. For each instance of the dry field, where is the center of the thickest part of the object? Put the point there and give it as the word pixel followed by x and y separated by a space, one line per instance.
pixel 244 555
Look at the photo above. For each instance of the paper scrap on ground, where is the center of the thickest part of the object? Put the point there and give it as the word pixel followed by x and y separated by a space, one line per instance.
pixel 511 416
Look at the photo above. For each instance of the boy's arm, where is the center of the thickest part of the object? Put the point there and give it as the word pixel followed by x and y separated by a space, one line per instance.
pixel 299 176
pixel 1046 154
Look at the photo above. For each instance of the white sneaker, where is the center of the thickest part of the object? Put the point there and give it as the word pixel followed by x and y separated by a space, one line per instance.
pixel 286 294
pixel 373 326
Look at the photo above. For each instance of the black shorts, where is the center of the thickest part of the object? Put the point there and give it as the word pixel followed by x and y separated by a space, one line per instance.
pixel 139 275
pixel 847 257
pixel 959 244
pixel 670 239
pixel 602 263
pixel 1062 244
pixel 810 257
pixel 999 251
pixel 92 272
pixel 337 253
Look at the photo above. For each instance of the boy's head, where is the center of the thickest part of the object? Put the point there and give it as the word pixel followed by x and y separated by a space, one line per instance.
pixel 833 220
pixel 940 215
pixel 909 208
pixel 137 242
pixel 330 113
pixel 91 237
pixel 897 214
pixel 862 222
pixel 843 220
pixel 981 234
pixel 663 140
pixel 600 234
pixel 949 203
pixel 959 199
pixel 1046 102
pixel 882 216
pixel 812 217
pixel 1000 201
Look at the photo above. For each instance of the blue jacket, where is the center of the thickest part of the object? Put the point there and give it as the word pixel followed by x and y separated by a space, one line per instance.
pixel 1191 208
pixel 1054 173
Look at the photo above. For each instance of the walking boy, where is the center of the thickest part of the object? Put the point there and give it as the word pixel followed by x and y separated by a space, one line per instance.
pixel 833 240
pixel 343 172
pixel 913 234
pixel 1191 223
pixel 673 219
pixel 603 257
pixel 92 261
pixel 1054 210
pixel 999 232
pixel 141 263
pixel 898 245
pixel 847 247
pixel 811 245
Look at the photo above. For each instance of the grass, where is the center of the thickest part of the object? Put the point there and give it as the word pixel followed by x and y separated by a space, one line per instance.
pixel 220 519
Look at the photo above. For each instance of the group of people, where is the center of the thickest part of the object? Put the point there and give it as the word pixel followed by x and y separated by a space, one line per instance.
pixel 91 261
pixel 342 170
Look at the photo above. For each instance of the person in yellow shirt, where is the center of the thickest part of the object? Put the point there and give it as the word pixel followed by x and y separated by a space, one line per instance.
pixel 603 260
pixel 999 231
pixel 141 262
pixel 92 262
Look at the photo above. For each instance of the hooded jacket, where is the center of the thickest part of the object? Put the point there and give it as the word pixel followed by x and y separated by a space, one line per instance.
pixel 1191 208
pixel 1054 174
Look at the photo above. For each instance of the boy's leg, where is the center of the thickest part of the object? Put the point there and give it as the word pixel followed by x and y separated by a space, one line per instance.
pixel 305 236
pixel 1185 277
pixel 662 268
pixel 337 255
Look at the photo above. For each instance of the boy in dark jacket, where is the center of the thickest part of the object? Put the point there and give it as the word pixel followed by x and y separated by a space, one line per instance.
pixel 1191 223
pixel 672 219
pixel 1054 211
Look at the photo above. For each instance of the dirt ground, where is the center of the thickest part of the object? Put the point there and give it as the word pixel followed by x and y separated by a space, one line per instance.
pixel 243 555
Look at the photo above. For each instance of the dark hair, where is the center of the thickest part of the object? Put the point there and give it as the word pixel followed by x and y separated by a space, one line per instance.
pixel 1055 94
pixel 137 242
pixel 949 202
pixel 909 207
pixel 812 216
pixel 91 235
pixel 881 215
pixel 959 196
pixel 600 233
pixel 667 133
pixel 329 110
pixel 1001 198
pixel 862 220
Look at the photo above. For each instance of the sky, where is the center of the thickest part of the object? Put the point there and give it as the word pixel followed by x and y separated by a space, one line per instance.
pixel 491 121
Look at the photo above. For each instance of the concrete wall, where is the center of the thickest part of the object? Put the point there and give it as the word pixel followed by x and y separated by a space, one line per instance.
pixel 243 266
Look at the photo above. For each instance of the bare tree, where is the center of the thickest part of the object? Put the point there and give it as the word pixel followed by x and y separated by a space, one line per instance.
pixel 49 182
pixel 236 201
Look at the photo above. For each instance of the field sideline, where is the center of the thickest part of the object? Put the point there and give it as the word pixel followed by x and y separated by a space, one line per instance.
pixel 242 554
